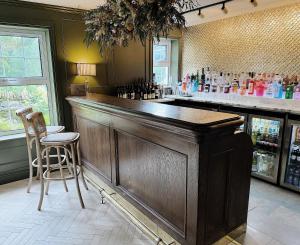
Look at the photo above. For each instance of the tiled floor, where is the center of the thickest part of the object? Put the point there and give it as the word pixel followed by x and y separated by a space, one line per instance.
pixel 274 218
pixel 62 221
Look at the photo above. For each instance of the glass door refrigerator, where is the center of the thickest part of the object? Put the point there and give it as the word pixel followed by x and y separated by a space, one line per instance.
pixel 290 172
pixel 266 134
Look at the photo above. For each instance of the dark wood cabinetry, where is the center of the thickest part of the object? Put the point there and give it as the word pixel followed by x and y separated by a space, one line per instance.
pixel 184 168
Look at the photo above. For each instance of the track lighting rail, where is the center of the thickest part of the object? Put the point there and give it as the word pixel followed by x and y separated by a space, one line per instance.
pixel 207 6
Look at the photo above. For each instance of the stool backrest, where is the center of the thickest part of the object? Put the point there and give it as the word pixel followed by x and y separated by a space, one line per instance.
pixel 37 122
pixel 22 113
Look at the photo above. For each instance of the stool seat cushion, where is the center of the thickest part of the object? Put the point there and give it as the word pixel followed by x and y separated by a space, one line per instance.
pixel 58 138
pixel 50 130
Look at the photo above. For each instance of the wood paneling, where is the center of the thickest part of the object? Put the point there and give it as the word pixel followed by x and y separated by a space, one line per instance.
pixel 149 173
pixel 97 151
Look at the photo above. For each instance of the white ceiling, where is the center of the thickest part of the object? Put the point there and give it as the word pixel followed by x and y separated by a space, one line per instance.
pixel 236 7
pixel 80 4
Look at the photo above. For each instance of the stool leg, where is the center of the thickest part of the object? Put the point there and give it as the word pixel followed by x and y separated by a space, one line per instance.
pixel 80 166
pixel 48 172
pixel 76 176
pixel 30 167
pixel 38 152
pixel 60 168
pixel 68 162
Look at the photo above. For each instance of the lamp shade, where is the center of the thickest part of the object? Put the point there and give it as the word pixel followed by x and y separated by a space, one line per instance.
pixel 84 69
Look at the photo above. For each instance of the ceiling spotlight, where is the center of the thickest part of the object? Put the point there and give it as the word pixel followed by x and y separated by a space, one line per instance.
pixel 200 14
pixel 254 2
pixel 224 9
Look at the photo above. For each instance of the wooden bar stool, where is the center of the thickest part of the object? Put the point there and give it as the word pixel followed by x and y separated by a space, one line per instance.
pixel 69 142
pixel 22 113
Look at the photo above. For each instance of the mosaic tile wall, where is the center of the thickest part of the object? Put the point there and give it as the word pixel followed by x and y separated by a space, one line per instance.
pixel 265 41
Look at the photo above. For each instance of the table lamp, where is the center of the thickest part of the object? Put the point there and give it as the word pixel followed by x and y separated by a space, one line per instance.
pixel 83 69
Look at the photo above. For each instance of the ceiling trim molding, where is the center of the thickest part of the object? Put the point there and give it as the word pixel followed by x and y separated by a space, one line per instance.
pixel 43 6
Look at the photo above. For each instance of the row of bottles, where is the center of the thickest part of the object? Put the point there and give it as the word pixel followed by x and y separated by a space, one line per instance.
pixel 140 90
pixel 252 84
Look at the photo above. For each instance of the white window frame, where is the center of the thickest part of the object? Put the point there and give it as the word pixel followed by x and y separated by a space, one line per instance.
pixel 167 63
pixel 47 77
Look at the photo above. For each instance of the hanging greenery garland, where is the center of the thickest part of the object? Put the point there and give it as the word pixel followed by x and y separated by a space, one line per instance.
pixel 119 21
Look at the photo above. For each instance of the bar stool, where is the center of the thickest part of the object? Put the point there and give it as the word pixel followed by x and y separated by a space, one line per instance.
pixel 69 142
pixel 22 113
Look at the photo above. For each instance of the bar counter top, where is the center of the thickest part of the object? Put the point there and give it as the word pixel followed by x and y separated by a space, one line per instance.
pixel 250 102
pixel 188 117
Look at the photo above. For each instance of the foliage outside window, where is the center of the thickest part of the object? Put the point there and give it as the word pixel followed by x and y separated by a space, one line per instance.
pixel 25 76
pixel 162 61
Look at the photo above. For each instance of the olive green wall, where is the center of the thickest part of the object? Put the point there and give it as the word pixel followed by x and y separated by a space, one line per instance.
pixel 134 61
pixel 67 34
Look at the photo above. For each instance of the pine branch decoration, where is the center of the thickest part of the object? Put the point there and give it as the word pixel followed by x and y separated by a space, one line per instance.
pixel 118 22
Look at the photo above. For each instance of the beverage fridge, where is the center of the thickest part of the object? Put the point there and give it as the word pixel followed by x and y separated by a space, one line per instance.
pixel 290 172
pixel 266 134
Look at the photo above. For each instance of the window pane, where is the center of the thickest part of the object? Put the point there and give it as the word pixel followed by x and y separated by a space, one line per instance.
pixel 33 67
pixel 31 47
pixel 13 67
pixel 160 53
pixel 161 75
pixel 20 57
pixel 15 97
pixel 11 46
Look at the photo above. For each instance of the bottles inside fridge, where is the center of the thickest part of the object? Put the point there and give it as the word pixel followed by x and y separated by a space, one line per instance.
pixel 266 138
pixel 292 170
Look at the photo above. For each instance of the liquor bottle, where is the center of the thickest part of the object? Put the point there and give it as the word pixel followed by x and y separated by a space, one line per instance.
pixel 124 93
pixel 289 91
pixel 208 79
pixel 227 84
pixel 202 82
pixel 132 93
pixel 184 84
pixel 195 83
pixel 214 84
pixel 144 89
pixel 260 86
pixel 152 92
pixel 138 92
pixel 243 84
pixel 207 82
pixel 277 87
pixel 220 83
pixel 157 93
pixel 251 86
pixel 297 91
pixel 235 85
pixel 269 86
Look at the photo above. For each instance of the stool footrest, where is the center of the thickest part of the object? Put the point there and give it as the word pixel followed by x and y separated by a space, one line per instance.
pixel 54 169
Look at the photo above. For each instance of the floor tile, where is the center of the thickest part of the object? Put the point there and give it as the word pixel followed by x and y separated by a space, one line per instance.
pixel 274 218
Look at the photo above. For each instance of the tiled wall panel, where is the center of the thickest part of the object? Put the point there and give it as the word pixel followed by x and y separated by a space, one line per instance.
pixel 265 41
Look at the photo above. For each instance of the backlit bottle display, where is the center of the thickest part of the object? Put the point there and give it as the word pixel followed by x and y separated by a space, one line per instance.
pixel 269 85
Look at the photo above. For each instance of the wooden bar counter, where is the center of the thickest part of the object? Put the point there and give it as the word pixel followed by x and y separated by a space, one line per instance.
pixel 186 169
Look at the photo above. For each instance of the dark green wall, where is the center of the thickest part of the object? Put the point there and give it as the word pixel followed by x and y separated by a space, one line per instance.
pixel 67 34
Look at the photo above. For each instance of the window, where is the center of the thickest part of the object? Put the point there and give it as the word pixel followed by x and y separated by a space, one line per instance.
pixel 165 61
pixel 26 77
